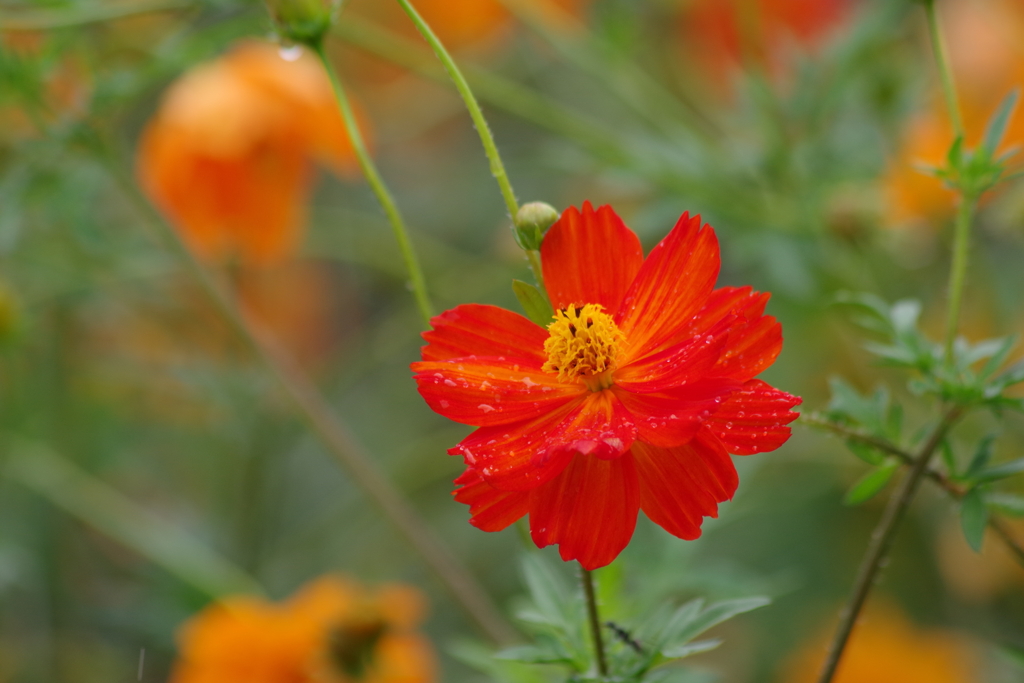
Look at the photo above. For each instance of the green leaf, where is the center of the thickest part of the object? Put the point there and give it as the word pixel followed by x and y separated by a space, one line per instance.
pixel 956 153
pixel 681 651
pixel 868 454
pixel 981 458
pixel 871 483
pixel 534 303
pixel 997 124
pixel 904 315
pixel 533 654
pixel 974 518
pixel 999 357
pixel 948 457
pixel 549 592
pixel 690 625
pixel 998 472
pixel 1008 504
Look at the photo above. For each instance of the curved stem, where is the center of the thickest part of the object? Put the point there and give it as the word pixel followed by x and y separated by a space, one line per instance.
pixel 958 269
pixel 490 148
pixel 945 72
pixel 373 177
pixel 881 539
pixel 335 435
pixel 587 579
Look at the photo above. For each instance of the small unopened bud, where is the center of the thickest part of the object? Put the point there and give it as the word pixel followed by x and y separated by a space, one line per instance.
pixel 531 223
pixel 303 21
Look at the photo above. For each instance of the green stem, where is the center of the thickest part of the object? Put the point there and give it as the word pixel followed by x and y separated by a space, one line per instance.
pixel 490 148
pixel 881 540
pixel 958 270
pixel 533 256
pixel 945 72
pixel 373 177
pixel 587 579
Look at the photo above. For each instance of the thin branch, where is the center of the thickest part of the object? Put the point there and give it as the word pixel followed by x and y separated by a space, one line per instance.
pixel 475 113
pixel 954 490
pixel 881 539
pixel 380 189
pixel 587 579
pixel 333 432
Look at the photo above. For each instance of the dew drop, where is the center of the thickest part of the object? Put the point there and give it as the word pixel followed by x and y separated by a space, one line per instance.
pixel 290 53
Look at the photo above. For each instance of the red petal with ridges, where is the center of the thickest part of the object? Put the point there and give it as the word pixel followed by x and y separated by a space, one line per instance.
pixel 673 418
pixel 589 510
pixel 681 486
pixel 521 456
pixel 677 365
pixel 486 391
pixel 490 509
pixel 590 258
pixel 482 330
pixel 754 418
pixel 672 286
pixel 751 348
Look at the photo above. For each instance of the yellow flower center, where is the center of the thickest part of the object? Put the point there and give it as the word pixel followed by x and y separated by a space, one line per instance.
pixel 584 344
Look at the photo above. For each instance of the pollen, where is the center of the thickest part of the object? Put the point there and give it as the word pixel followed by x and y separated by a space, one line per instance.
pixel 584 344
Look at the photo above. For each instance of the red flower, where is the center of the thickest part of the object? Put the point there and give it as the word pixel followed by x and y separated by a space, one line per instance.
pixel 631 399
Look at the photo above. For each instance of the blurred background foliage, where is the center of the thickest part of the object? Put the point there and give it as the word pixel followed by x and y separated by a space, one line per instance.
pixel 150 461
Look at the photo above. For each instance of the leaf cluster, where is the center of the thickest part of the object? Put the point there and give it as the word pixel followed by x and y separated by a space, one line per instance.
pixel 974 171
pixel 970 378
pixel 636 649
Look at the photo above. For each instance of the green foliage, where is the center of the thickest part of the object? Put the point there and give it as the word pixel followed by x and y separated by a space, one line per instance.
pixel 556 619
pixel 974 518
pixel 872 483
pixel 534 302
pixel 976 171
pixel 966 381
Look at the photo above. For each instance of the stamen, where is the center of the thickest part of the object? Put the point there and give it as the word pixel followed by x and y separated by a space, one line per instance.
pixel 584 345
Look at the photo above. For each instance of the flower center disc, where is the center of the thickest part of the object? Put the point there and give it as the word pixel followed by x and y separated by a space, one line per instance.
pixel 584 344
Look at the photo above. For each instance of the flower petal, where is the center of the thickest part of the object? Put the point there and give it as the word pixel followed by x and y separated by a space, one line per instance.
pixel 589 510
pixel 590 258
pixel 672 286
pixel 682 485
pixel 522 456
pixel 485 391
pixel 482 330
pixel 673 418
pixel 754 418
pixel 491 509
pixel 672 367
pixel 754 340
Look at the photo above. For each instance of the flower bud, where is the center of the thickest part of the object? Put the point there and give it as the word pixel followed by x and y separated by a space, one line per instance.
pixel 531 222
pixel 303 21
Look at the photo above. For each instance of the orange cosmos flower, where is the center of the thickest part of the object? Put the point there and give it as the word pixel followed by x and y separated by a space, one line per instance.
pixel 227 156
pixel 723 32
pixel 631 399
pixel 332 631
pixel 886 648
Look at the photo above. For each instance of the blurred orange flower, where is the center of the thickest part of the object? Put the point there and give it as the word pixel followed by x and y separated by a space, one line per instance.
pixel 227 156
pixel 886 648
pixel 724 33
pixel 332 631
pixel 986 48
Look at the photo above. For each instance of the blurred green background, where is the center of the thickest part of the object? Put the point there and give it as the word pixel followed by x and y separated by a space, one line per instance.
pixel 119 378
